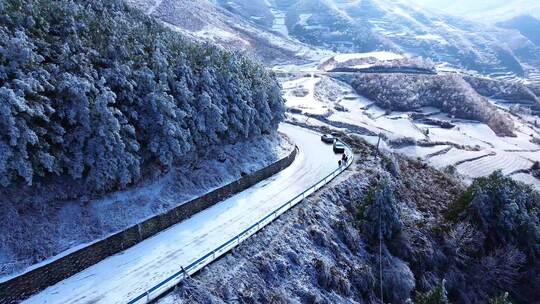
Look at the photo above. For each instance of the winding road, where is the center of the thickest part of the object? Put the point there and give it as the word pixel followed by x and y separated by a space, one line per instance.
pixel 124 276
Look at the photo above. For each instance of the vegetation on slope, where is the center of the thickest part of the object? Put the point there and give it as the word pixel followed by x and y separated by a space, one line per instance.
pixel 328 250
pixel 502 89
pixel 95 92
pixel 450 93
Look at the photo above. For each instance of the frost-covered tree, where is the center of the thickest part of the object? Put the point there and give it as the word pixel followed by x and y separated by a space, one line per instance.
pixel 450 93
pixel 504 211
pixel 95 92
pixel 500 300
pixel 378 214
pixel 106 153
pixel 493 239
pixel 438 295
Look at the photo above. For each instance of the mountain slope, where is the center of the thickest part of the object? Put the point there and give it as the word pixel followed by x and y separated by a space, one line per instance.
pixel 487 11
pixel 527 25
pixel 293 31
pixel 205 20
pixel 399 26
pixel 327 250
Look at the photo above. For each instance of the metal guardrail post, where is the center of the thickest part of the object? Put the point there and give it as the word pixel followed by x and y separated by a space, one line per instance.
pixel 184 272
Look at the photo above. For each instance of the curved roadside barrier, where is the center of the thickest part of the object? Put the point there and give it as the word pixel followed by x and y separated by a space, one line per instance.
pixel 25 285
pixel 187 270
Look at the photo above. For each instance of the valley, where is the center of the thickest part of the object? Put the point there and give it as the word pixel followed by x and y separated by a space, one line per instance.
pixel 466 147
pixel 402 39
pixel 269 151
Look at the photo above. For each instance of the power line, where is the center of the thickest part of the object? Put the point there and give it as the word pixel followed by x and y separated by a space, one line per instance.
pixel 380 251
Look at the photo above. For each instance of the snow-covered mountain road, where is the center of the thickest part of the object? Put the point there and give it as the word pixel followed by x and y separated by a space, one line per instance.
pixel 124 276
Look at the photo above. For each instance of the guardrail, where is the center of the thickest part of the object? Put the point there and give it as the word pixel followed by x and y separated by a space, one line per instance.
pixel 184 272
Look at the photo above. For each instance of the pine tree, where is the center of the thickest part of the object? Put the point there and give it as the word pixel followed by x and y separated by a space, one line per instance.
pixel 438 295
pixel 501 299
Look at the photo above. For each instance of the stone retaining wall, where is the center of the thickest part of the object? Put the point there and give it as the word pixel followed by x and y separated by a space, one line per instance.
pixel 23 286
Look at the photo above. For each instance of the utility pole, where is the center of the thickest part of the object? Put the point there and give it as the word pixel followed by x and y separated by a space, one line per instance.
pixel 378 143
pixel 380 252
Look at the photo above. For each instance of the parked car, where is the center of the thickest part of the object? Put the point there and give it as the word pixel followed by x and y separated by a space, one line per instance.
pixel 327 138
pixel 339 147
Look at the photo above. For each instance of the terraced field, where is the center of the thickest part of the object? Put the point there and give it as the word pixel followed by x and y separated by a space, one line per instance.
pixel 506 161
pixel 456 156
pixel 528 179
pixel 472 147
pixel 422 152
pixel 530 155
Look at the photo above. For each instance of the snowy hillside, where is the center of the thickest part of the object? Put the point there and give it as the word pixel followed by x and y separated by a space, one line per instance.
pixel 205 20
pixel 486 11
pixel 118 111
pixel 327 250
pixel 527 25
pixel 399 26
pixel 452 122
pixel 294 31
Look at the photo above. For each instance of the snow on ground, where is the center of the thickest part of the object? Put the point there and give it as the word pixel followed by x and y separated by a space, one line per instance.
pixel 505 161
pixel 302 119
pixel 279 22
pixel 454 156
pixel 60 228
pixel 482 131
pixel 216 34
pixel 383 56
pixel 527 179
pixel 375 111
pixel 506 153
pixel 358 60
pixel 402 127
pixel 125 275
pixel 355 103
pixel 362 112
pixel 429 110
pixel 432 38
pixel 422 152
pixel 455 135
pixel 300 95
pixel 533 156
pixel 303 19
pixel 295 68
pixel 278 19
pixel 374 141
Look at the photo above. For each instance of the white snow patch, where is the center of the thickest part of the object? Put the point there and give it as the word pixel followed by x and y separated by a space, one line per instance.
pixel 507 162
pixel 383 56
pixel 418 151
pixel 454 156
pixel 307 103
